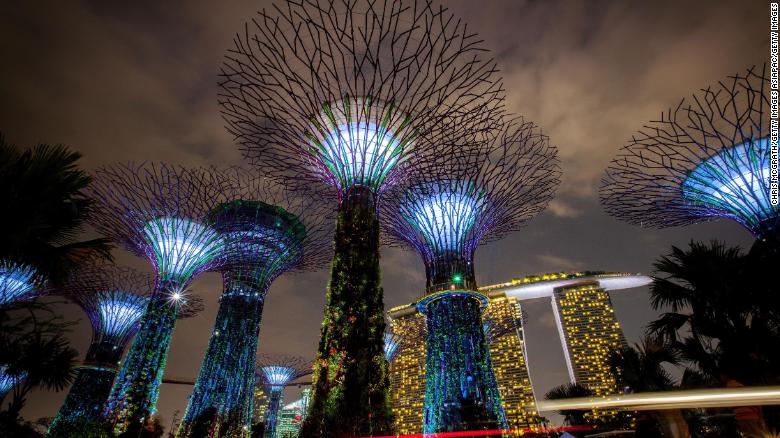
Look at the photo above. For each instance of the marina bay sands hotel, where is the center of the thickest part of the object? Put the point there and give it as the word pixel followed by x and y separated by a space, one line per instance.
pixel 586 324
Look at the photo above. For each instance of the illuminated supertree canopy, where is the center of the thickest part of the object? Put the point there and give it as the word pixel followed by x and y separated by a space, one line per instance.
pixel 268 231
pixel 8 381
pixel 17 283
pixel 707 158
pixel 158 212
pixel 114 299
pixel 392 345
pixel 444 217
pixel 277 372
pixel 355 95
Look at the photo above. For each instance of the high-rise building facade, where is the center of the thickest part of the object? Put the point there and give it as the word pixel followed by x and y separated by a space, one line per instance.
pixel 407 370
pixel 589 331
pixel 507 350
pixel 261 402
pixel 292 415
pixel 586 324
pixel 508 354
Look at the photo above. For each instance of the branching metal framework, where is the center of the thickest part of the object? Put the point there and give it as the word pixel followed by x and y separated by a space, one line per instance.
pixel 444 217
pixel 707 158
pixel 276 372
pixel 156 211
pixel 268 231
pixel 18 282
pixel 114 299
pixel 355 94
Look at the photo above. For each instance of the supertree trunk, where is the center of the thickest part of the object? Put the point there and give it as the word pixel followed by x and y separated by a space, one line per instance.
pixel 224 390
pixel 274 406
pixel 461 391
pixel 134 394
pixel 350 394
pixel 81 413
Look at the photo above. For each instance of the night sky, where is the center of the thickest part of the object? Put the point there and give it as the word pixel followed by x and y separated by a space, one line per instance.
pixel 137 81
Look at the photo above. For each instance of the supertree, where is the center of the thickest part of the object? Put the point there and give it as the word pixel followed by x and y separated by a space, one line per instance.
pixel 392 345
pixel 444 217
pixel 114 299
pixel 268 231
pixel 18 282
pixel 707 158
pixel 8 381
pixel 355 95
pixel 158 212
pixel 277 372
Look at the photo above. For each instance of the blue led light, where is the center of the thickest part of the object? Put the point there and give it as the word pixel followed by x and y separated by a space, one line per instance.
pixel 181 247
pixel 360 153
pixel 444 213
pixel 392 343
pixel 278 376
pixel 734 183
pixel 17 282
pixel 119 313
pixel 8 381
pixel 358 142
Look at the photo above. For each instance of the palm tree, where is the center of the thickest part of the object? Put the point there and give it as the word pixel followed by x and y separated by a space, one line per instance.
pixel 724 314
pixel 43 186
pixel 641 368
pixel 33 345
pixel 571 390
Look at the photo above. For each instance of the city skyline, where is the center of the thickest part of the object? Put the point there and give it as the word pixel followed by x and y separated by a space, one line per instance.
pixel 573 234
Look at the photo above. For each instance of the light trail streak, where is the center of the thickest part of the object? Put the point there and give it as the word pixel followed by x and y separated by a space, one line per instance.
pixel 700 398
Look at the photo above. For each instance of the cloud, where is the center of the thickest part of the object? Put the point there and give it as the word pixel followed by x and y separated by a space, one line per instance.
pixel 558 263
pixel 129 81
pixel 563 210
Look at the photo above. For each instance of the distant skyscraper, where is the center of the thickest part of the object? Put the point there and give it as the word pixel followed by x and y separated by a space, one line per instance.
pixel 507 352
pixel 589 331
pixel 261 402
pixel 587 326
pixel 407 371
pixel 291 416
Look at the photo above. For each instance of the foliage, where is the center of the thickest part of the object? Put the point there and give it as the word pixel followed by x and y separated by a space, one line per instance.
pixel 595 420
pixel 350 382
pixel 82 408
pixel 44 186
pixel 570 390
pixel 150 428
pixel 724 312
pixel 458 362
pixel 33 343
pixel 136 387
pixel 227 375
pixel 641 368
pixel 723 320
